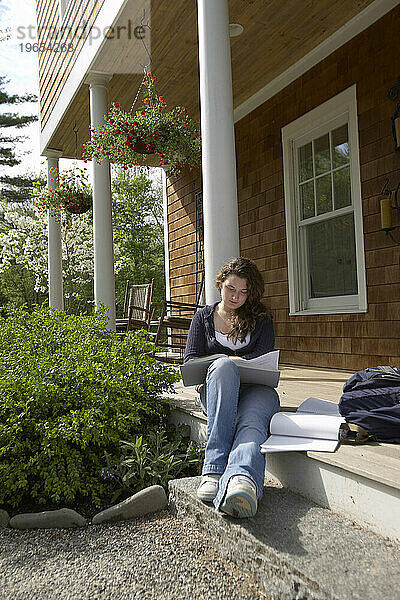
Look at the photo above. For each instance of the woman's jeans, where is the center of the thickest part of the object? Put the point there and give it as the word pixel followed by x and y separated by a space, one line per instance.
pixel 238 417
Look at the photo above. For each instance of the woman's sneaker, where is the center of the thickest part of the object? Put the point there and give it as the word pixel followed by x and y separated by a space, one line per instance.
pixel 240 498
pixel 208 487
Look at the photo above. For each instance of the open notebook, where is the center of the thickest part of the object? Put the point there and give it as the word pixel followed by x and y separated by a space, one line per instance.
pixel 262 369
pixel 314 426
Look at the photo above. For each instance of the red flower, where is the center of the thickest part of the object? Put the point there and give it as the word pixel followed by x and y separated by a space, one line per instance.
pixel 117 104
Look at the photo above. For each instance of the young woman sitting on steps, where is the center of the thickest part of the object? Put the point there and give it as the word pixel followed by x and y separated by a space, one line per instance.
pixel 238 415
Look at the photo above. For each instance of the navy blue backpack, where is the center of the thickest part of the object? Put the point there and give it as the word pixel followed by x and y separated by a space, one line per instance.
pixel 371 401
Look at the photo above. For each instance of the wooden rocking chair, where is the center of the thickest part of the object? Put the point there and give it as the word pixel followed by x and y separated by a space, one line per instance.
pixel 137 307
pixel 172 327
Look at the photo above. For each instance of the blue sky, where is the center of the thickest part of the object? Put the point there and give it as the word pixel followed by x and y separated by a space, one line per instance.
pixel 20 66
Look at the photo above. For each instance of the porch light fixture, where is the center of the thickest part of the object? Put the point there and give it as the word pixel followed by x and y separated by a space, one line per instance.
pixel 235 29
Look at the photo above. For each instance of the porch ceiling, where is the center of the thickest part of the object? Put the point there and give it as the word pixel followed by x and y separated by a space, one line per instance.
pixel 276 35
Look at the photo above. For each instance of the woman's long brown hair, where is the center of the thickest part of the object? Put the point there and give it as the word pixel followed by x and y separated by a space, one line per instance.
pixel 253 309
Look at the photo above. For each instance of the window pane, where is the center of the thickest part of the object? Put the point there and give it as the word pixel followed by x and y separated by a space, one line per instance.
pixel 341 187
pixel 332 257
pixel 322 155
pixel 340 146
pixel 324 194
pixel 307 208
pixel 305 162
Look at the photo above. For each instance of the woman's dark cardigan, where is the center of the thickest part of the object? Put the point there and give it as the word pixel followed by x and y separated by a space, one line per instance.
pixel 201 339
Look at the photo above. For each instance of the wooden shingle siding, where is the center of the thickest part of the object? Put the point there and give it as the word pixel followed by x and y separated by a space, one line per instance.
pixel 182 237
pixel 348 341
pixel 54 67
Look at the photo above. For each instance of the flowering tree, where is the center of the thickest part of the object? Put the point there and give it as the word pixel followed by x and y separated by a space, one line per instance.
pixel 23 245
pixel 138 232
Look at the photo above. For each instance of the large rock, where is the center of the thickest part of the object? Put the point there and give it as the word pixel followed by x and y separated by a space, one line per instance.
pixel 4 518
pixel 48 519
pixel 146 501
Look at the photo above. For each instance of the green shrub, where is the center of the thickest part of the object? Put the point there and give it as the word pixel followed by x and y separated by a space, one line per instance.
pixel 70 391
pixel 155 459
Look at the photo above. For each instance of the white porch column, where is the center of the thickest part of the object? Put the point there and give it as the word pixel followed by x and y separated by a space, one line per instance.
pixel 55 276
pixel 221 228
pixel 104 284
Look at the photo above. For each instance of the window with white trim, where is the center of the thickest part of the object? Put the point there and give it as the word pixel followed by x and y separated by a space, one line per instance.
pixel 323 209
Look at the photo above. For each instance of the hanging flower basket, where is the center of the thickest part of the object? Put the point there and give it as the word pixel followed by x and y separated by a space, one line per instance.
pixel 126 138
pixel 74 194
pixel 75 202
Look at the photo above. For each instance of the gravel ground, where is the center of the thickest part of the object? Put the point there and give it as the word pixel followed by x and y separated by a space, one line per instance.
pixel 157 556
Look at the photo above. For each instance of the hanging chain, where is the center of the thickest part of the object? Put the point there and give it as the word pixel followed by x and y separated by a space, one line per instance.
pixel 145 67
pixel 75 130
pixel 138 92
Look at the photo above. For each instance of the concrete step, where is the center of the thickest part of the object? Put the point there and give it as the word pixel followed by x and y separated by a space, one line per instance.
pixel 296 550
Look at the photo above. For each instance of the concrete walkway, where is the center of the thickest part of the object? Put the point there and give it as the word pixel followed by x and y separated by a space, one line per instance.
pixel 148 558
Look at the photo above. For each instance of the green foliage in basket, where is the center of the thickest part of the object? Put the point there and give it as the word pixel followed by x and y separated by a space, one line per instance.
pixel 127 138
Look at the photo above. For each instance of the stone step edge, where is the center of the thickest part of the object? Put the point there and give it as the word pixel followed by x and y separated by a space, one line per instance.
pixel 294 549
pixel 283 580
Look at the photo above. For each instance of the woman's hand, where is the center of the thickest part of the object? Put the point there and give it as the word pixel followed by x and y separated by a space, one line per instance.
pixel 198 388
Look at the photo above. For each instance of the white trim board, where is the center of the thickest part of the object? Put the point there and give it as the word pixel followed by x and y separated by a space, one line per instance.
pixel 351 29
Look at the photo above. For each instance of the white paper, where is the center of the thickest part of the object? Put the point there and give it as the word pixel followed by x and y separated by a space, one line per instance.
pixel 303 431
pixel 306 425
pixel 282 443
pixel 267 361
pixel 317 406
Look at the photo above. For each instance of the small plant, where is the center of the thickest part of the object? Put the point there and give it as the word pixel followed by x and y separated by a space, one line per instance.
pixel 125 138
pixel 74 194
pixel 70 390
pixel 153 459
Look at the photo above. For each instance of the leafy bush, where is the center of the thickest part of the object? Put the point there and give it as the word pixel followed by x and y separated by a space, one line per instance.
pixel 70 391
pixel 155 459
